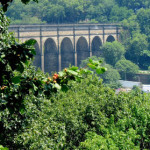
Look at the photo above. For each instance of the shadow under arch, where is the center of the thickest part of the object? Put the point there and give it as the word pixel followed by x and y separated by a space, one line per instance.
pixel 96 46
pixel 67 53
pixel 37 57
pixel 82 50
pixel 50 56
pixel 110 38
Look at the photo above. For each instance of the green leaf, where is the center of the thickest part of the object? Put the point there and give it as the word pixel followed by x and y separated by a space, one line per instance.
pixel 20 68
pixel 90 60
pixel 35 87
pixel 95 62
pixel 57 86
pixel 22 111
pixel 33 51
pixel 74 68
pixel 27 63
pixel 3 148
pixel 72 72
pixel 86 71
pixel 61 74
pixel 100 70
pixel 2 56
pixel 16 79
pixel 92 66
pixel 100 61
pixel 64 88
pixel 2 101
pixel 30 42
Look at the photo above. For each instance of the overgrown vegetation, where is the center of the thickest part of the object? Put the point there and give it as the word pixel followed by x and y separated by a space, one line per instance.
pixel 81 118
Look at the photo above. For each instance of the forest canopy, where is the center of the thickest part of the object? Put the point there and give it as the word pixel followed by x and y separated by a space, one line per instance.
pixel 74 11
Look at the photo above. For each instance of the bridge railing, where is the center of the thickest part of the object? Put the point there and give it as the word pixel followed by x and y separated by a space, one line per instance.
pixel 62 27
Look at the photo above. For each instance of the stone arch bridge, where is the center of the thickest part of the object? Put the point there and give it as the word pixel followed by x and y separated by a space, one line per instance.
pixel 58 46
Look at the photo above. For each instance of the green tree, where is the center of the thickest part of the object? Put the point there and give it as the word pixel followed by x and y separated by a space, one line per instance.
pixel 126 67
pixel 119 13
pixel 6 3
pixel 113 52
pixel 143 19
pixel 54 13
pixel 133 4
pixel 136 47
pixel 131 24
pixel 111 77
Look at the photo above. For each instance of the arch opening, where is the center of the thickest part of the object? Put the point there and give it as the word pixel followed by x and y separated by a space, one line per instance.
pixel 67 53
pixel 96 46
pixel 82 50
pixel 50 56
pixel 37 57
pixel 110 38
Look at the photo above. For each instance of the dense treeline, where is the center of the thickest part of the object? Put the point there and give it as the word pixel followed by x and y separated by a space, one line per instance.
pixel 74 11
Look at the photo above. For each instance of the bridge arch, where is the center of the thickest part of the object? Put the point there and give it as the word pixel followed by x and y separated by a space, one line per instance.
pixel 96 46
pixel 82 50
pixel 37 57
pixel 110 38
pixel 67 53
pixel 50 56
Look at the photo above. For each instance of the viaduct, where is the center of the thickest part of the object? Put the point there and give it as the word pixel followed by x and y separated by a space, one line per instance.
pixel 58 46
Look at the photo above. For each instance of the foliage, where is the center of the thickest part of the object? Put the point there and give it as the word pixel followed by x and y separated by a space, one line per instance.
pixel 144 20
pixel 132 4
pixel 111 77
pixel 131 25
pixel 126 67
pixel 113 140
pixel 120 13
pixel 113 52
pixel 72 11
pixel 137 45
pixel 19 79
pixel 95 58
pixel 35 116
pixel 3 148
pixel 66 119
pixel 13 57
pixel 6 3
pixel 135 38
